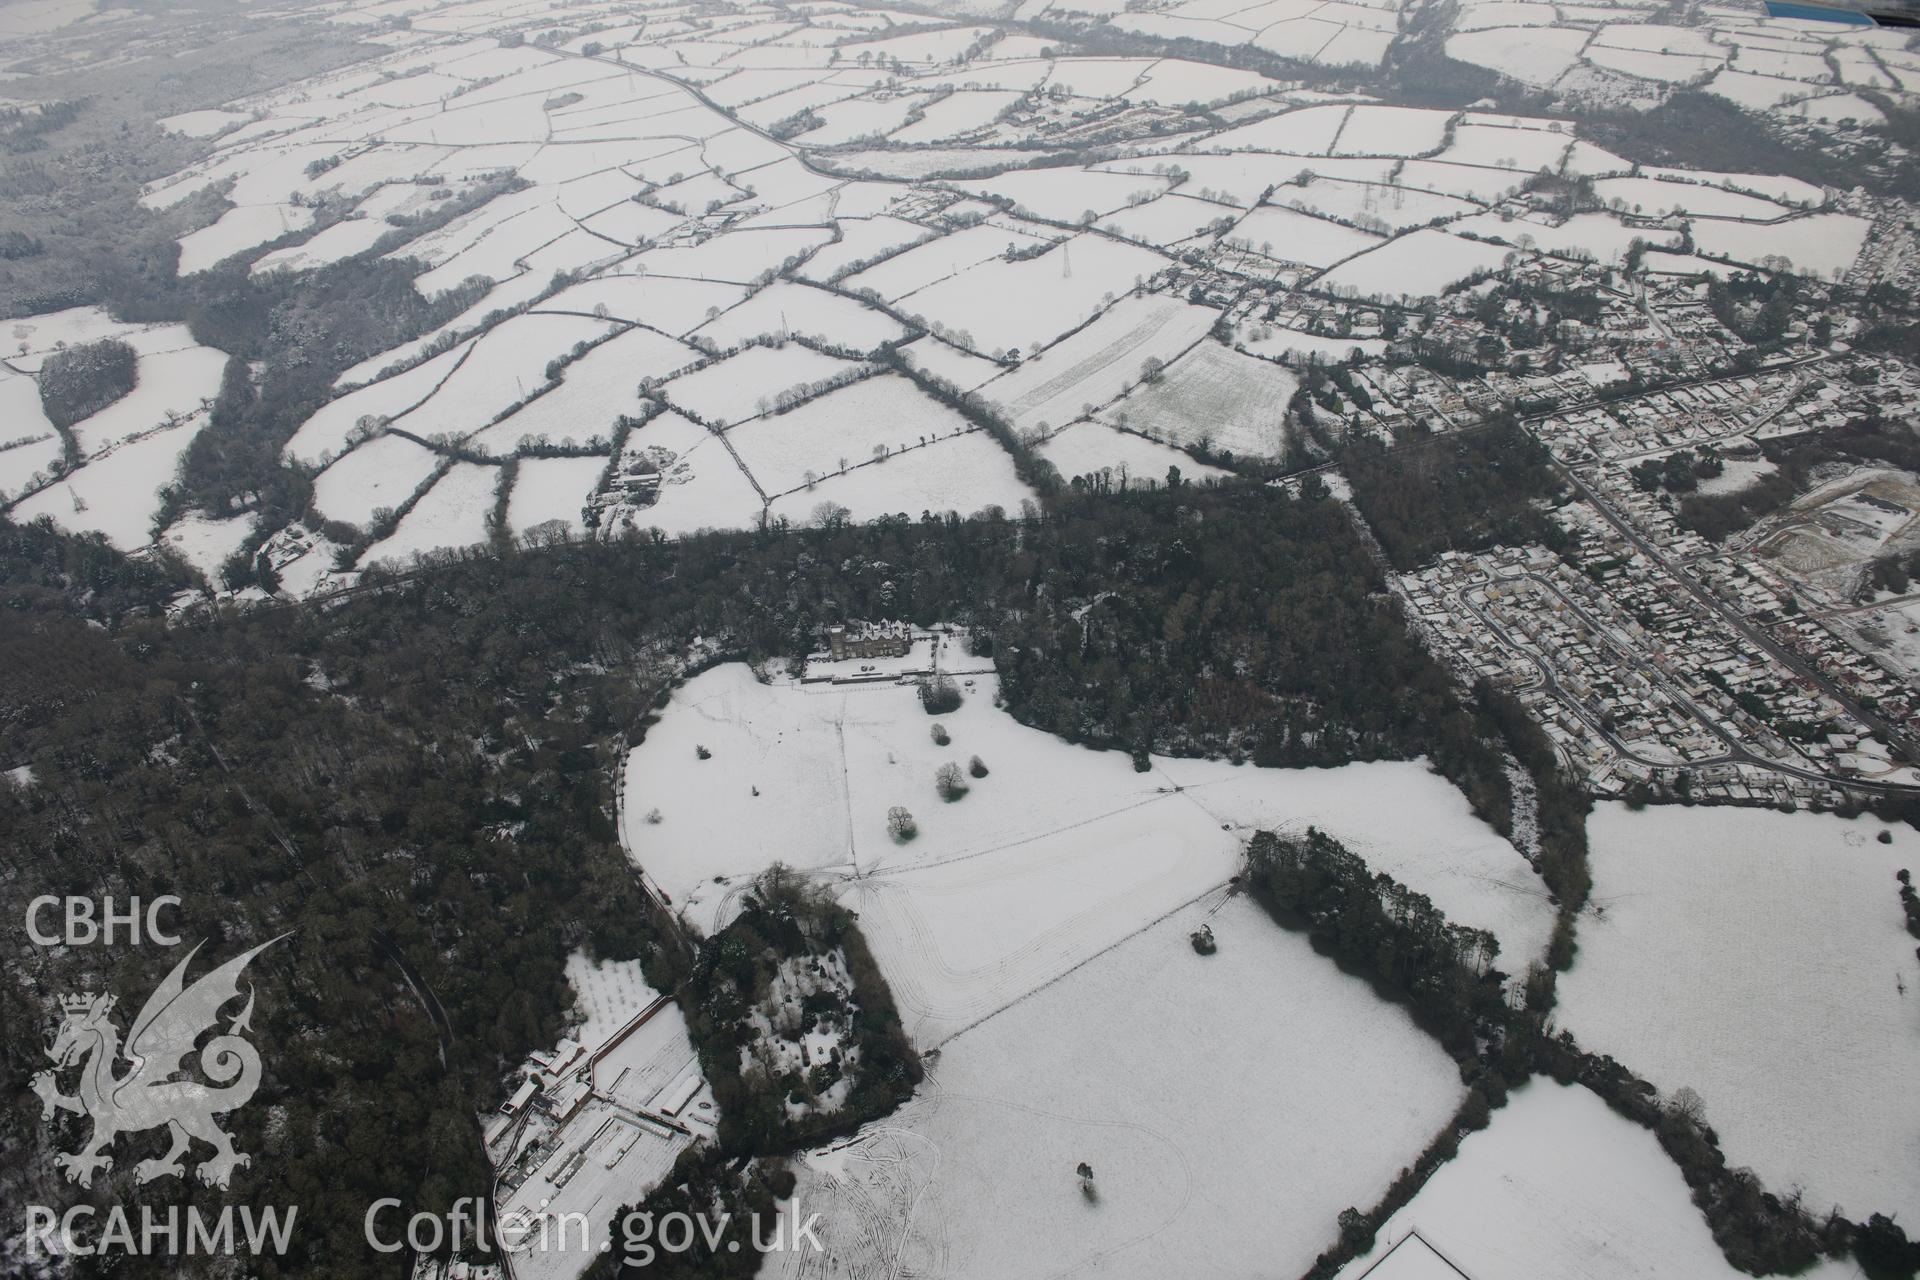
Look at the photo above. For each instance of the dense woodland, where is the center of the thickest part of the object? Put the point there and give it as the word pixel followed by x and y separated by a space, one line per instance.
pixel 1445 971
pixel 420 773
pixel 78 382
pixel 387 826
pixel 786 919
pixel 1462 492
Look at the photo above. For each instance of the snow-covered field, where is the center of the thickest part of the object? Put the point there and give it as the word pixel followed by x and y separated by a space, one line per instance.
pixel 964 473
pixel 1656 197
pixel 118 494
pixel 239 229
pixel 1277 342
pixel 1216 397
pixel 1820 244
pixel 751 383
pixel 1561 1186
pixel 382 473
pixel 703 487
pixel 833 432
pixel 795 309
pixel 1588 237
pixel 1095 449
pixel 129 450
pixel 1138 1063
pixel 1532 55
pixel 1289 236
pixel 206 543
pixel 1398 207
pixel 1419 264
pixel 1068 195
pixel 450 515
pixel 171 385
pixel 549 489
pixel 845 176
pixel 1761 960
pixel 1099 362
pixel 1058 291
pixel 594 392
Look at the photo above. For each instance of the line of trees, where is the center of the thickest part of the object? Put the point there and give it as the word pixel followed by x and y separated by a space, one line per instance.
pixel 1372 922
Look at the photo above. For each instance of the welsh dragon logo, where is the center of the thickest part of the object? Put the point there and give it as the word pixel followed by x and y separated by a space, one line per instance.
pixel 151 1092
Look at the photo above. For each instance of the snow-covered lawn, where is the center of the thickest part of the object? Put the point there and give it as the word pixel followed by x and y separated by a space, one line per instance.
pixel 1056 853
pixel 1761 959
pixel 1138 1063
